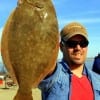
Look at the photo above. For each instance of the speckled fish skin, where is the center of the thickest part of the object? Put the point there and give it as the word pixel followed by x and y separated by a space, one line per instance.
pixel 30 44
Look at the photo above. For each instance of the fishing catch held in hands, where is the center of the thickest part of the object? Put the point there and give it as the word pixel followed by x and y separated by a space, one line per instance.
pixel 30 44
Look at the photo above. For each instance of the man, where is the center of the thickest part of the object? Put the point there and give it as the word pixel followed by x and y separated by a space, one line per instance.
pixel 71 80
pixel 96 64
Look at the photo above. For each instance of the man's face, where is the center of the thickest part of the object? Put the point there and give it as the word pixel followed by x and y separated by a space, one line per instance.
pixel 75 50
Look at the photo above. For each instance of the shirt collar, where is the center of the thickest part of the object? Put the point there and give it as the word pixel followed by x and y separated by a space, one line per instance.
pixel 67 69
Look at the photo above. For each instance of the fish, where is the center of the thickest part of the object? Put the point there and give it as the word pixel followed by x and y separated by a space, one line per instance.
pixel 30 44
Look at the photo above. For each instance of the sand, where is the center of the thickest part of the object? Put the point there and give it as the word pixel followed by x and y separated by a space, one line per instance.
pixel 9 93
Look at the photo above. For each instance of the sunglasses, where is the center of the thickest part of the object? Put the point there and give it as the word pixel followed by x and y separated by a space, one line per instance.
pixel 73 44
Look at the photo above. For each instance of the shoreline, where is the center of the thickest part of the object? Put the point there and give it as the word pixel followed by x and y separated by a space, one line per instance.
pixel 9 93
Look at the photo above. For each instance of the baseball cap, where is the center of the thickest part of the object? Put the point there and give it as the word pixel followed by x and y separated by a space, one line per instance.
pixel 73 29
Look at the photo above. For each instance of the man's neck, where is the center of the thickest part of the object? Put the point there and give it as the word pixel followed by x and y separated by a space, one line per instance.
pixel 77 70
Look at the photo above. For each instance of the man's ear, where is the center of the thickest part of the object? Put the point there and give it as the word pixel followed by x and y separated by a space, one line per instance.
pixel 61 46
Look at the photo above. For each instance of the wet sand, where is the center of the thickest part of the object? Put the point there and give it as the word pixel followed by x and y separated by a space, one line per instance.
pixel 9 93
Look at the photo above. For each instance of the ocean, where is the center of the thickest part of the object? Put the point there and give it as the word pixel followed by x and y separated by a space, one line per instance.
pixel 89 64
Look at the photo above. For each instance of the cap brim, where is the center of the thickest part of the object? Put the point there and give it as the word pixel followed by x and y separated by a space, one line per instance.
pixel 67 37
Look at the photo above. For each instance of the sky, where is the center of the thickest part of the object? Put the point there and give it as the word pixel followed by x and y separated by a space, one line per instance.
pixel 86 12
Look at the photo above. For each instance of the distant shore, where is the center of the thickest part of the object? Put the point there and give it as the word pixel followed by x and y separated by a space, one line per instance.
pixel 90 58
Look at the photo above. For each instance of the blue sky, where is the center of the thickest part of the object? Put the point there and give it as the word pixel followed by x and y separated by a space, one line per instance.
pixel 87 12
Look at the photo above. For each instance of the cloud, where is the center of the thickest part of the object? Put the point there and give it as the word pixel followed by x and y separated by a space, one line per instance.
pixel 89 20
pixel 1 29
pixel 92 12
pixel 63 21
pixel 85 13
pixel 0 44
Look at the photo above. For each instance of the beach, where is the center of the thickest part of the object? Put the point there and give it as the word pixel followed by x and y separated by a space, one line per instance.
pixel 9 93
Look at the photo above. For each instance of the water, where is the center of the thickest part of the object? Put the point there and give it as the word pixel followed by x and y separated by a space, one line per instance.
pixel 2 68
pixel 89 64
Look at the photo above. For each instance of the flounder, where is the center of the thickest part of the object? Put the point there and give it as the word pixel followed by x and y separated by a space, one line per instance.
pixel 30 44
